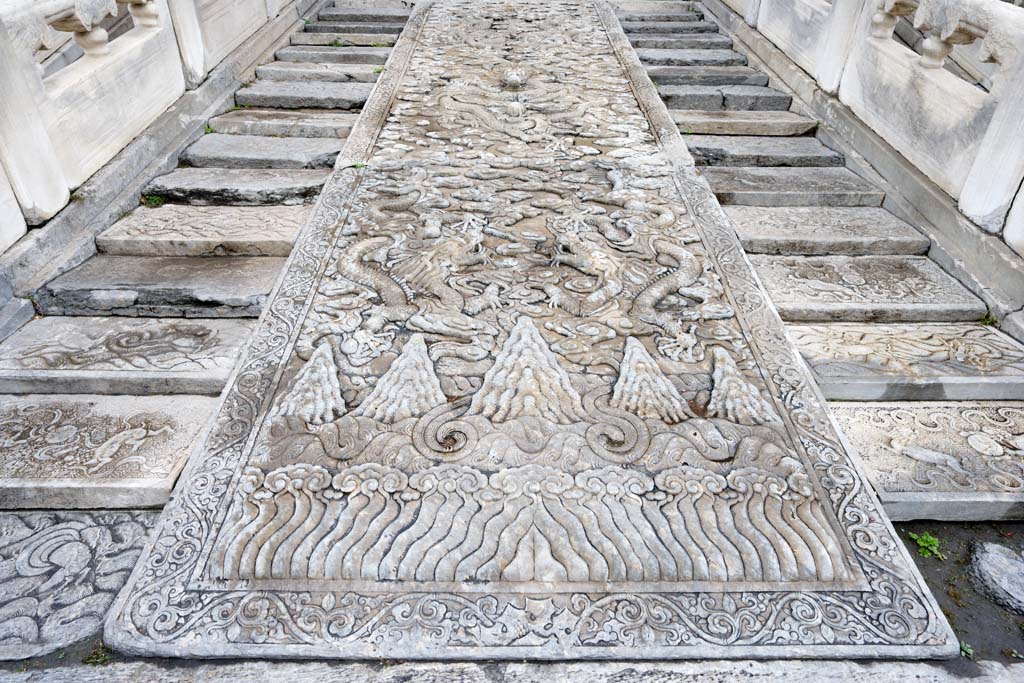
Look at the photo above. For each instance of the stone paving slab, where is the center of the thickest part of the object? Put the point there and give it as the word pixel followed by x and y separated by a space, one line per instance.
pixel 746 150
pixel 259 151
pixel 754 186
pixel 82 355
pixel 912 362
pixel 825 230
pixel 785 123
pixel 329 16
pixel 678 25
pixel 376 15
pixel 341 55
pixel 864 289
pixel 60 572
pixel 77 451
pixel 162 286
pixel 336 37
pixel 238 186
pixel 304 94
pixel 310 71
pixel 303 123
pixel 685 41
pixel 729 97
pixel 706 75
pixel 657 57
pixel 486 417
pixel 186 230
pixel 958 461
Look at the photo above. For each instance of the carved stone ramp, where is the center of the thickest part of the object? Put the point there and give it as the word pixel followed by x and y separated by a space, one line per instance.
pixel 519 395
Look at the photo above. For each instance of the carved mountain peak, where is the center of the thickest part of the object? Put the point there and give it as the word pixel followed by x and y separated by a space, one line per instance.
pixel 527 380
pixel 409 388
pixel 315 394
pixel 644 390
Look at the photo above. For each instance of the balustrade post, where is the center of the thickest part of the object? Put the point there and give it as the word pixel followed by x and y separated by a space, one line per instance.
pixel 844 24
pixel 189 34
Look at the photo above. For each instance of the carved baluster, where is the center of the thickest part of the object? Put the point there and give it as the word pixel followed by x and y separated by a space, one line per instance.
pixel 889 12
pixel 946 24
pixel 145 12
pixel 83 21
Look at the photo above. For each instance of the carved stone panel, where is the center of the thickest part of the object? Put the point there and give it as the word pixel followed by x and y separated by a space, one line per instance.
pixel 520 395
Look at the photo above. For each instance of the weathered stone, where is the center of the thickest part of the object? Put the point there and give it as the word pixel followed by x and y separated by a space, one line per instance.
pixel 83 355
pixel 754 186
pixel 153 286
pixel 302 123
pixel 656 57
pixel 681 24
pixel 998 572
pixel 706 75
pixel 824 230
pixel 732 97
pixel 259 151
pixel 393 15
pixel 60 572
pixel 743 150
pixel 238 186
pixel 483 420
pixel 88 451
pixel 948 460
pixel 660 16
pixel 335 36
pixel 341 55
pixel 336 16
pixel 299 94
pixel 912 362
pixel 741 122
pixel 684 41
pixel 307 71
pixel 13 314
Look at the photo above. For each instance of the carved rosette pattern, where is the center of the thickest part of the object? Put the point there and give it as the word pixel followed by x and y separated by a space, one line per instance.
pixel 207 585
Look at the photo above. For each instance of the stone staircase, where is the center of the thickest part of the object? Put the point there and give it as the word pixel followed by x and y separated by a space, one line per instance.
pixel 110 387
pixel 925 390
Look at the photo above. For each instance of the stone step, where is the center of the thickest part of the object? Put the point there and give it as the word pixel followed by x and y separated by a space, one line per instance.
pixel 238 186
pixel 304 95
pixel 338 55
pixel 657 16
pixel 675 41
pixel 185 230
pixel 747 150
pixel 728 122
pixel 940 460
pixel 824 230
pixel 678 25
pixel 333 18
pixel 312 71
pixel 706 75
pixel 302 123
pixel 864 289
pixel 85 451
pixel 261 151
pixel 912 361
pixel 86 355
pixel 342 39
pixel 756 186
pixel 162 286
pixel 730 97
pixel 372 16
pixel 659 57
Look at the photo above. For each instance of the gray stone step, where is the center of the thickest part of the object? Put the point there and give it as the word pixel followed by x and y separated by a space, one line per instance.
pixel 657 15
pixel 76 452
pixel 375 15
pixel 86 355
pixel 342 39
pixel 912 361
pixel 755 186
pixel 304 95
pixel 261 151
pixel 238 186
pixel 185 230
pixel 676 41
pixel 162 286
pixel 958 461
pixel 658 57
pixel 679 25
pixel 331 18
pixel 744 150
pixel 726 122
pixel 824 230
pixel 731 97
pixel 706 75
pixel 340 55
pixel 312 71
pixel 302 123
pixel 864 289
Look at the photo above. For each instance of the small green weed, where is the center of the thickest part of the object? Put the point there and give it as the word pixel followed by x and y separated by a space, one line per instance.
pixel 989 319
pixel 208 129
pixel 378 70
pixel 927 545
pixel 100 656
pixel 966 650
pixel 152 201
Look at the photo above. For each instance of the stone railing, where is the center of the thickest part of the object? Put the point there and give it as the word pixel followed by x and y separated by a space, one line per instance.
pixel 58 126
pixel 967 140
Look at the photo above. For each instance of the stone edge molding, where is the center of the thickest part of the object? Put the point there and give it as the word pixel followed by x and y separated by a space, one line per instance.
pixel 160 585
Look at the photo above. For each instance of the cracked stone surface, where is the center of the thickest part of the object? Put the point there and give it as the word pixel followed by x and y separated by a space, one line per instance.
pixel 305 71
pixel 112 355
pixel 941 460
pixel 755 186
pixel 706 75
pixel 88 451
pixel 238 186
pixel 346 55
pixel 520 396
pixel 914 362
pixel 60 572
pixel 297 94
pixel 783 123
pixel 998 572
pixel 260 151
